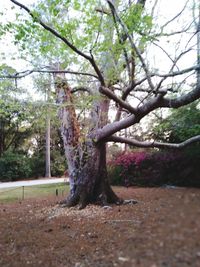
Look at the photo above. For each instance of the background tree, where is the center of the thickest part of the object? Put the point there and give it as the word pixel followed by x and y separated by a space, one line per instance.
pixel 15 116
pixel 180 125
pixel 109 45
pixel 22 133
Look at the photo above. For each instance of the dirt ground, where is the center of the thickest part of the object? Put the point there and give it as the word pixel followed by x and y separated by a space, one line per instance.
pixel 162 230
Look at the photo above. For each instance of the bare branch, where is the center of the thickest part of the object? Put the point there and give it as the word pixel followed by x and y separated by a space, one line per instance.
pixel 168 34
pixel 175 17
pixel 181 100
pixel 97 70
pixel 165 52
pixel 80 89
pixel 114 127
pixel 175 73
pixel 111 95
pixel 137 51
pixel 165 34
pixel 121 41
pixel 150 105
pixel 103 11
pixel 133 85
pixel 172 67
pixel 25 73
pixel 148 144
pixel 153 9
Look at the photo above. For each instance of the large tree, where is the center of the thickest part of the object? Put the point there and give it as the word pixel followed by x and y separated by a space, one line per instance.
pixel 113 47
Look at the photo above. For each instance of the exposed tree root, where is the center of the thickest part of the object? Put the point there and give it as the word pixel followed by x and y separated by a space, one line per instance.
pixel 83 200
pixel 129 201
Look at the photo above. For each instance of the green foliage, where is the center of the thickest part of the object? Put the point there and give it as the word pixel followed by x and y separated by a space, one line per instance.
pixel 114 174
pixel 84 27
pixel 135 20
pixel 37 163
pixel 14 166
pixel 180 125
pixel 59 165
pixel 22 132
pixel 15 118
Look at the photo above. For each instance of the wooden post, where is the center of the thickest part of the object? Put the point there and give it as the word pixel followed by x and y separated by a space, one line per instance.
pixel 23 193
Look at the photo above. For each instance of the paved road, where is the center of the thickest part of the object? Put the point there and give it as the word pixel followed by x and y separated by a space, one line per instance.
pixel 32 182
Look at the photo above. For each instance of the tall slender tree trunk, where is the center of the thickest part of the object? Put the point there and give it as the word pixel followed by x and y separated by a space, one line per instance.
pixel 198 46
pixel 48 137
pixel 48 144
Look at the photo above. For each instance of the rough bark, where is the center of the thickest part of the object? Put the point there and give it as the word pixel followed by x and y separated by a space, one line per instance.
pixel 86 159
pixel 90 185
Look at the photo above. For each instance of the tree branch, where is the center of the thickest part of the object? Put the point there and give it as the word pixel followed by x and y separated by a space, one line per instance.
pixel 176 73
pixel 80 89
pixel 54 32
pixel 25 73
pixel 65 40
pixel 148 144
pixel 142 111
pixel 174 18
pixel 121 42
pixel 114 127
pixel 172 67
pixel 134 84
pixel 102 11
pixel 182 100
pixel 133 46
pixel 123 104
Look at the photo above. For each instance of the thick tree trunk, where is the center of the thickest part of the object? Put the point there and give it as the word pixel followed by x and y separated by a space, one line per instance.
pixel 91 184
pixel 86 159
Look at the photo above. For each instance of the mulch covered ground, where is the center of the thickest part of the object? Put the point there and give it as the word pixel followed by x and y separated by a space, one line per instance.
pixel 162 230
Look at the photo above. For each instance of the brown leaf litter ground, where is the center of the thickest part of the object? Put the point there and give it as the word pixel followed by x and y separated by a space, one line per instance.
pixel 162 230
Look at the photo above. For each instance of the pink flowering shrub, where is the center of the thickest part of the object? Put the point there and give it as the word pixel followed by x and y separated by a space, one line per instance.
pixel 155 168
pixel 125 166
pixel 130 159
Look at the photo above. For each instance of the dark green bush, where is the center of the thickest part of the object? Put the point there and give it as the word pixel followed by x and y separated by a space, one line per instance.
pixel 114 173
pixel 37 165
pixel 14 166
pixel 58 163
